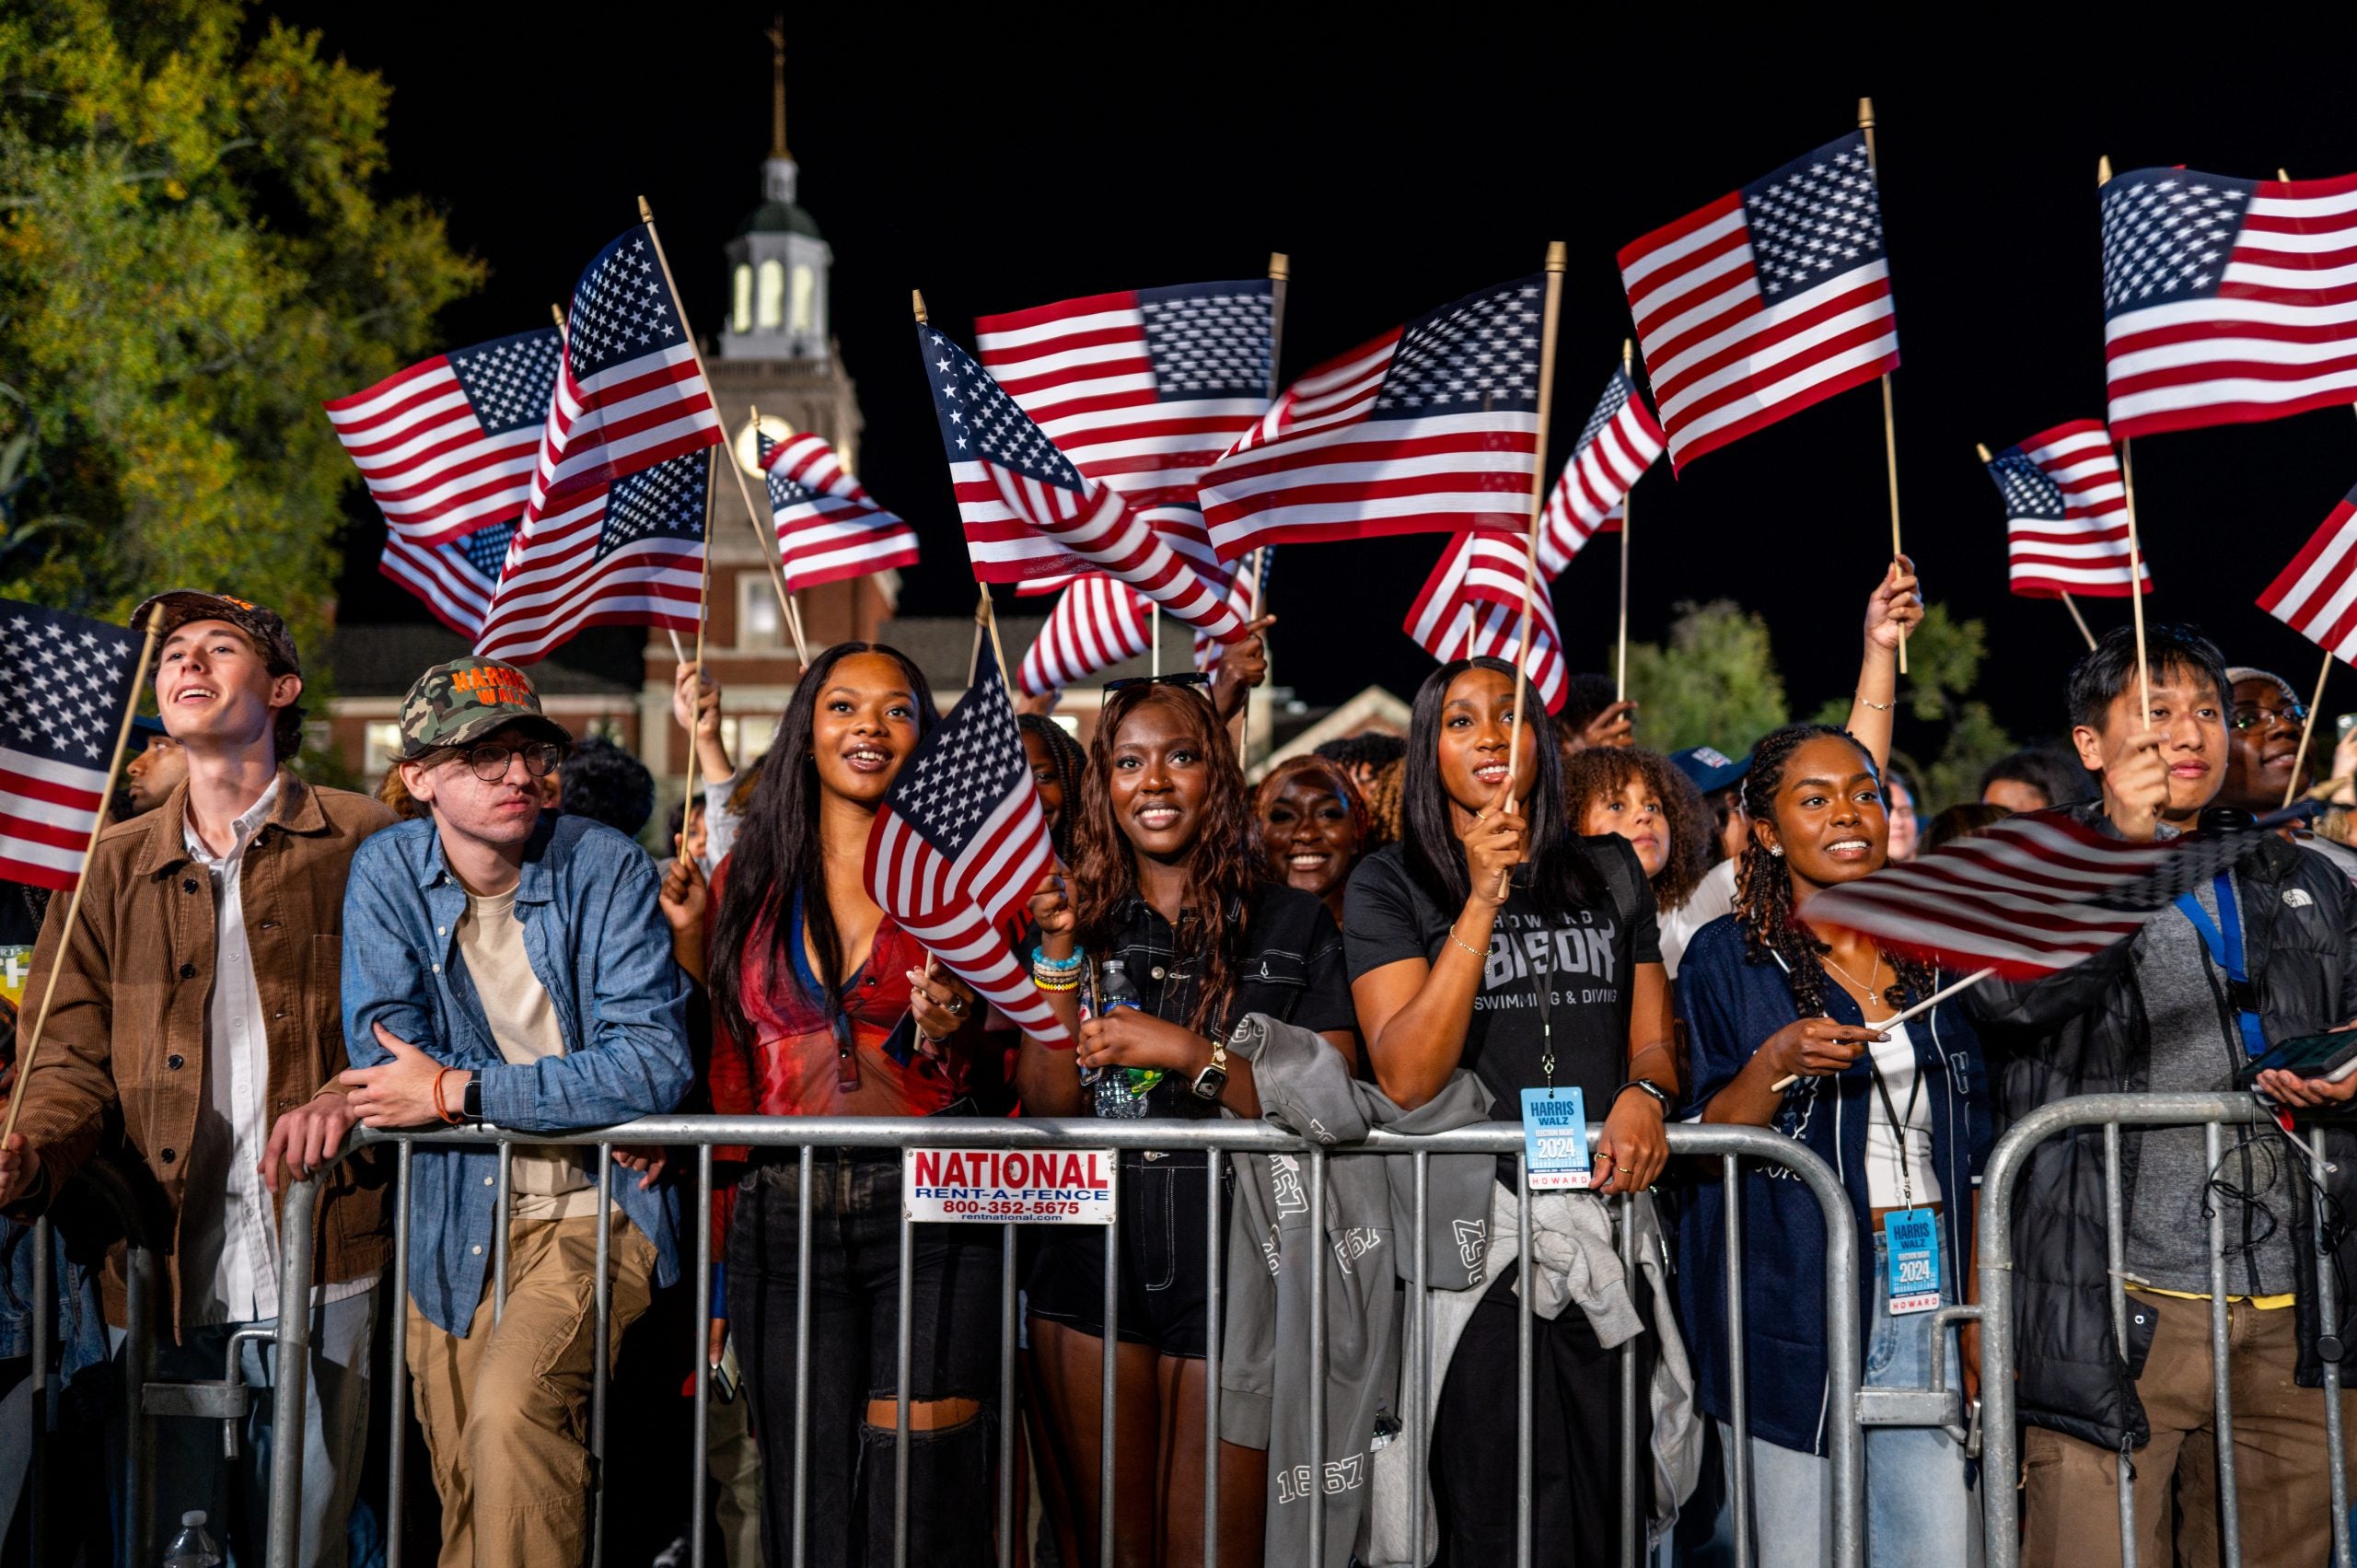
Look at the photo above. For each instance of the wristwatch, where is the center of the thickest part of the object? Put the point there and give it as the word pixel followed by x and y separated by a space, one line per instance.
pixel 470 1106
pixel 1661 1095
pixel 1212 1082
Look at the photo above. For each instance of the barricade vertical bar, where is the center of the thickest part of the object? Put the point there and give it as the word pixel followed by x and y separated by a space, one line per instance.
pixel 397 1418
pixel 1631 1532
pixel 138 1544
pixel 1006 1412
pixel 700 1217
pixel 1215 1316
pixel 2335 1454
pixel 1420 1368
pixel 601 1292
pixel 502 1211
pixel 1738 1398
pixel 1522 1349
pixel 906 1336
pixel 290 1379
pixel 2115 1238
pixel 1107 1348
pixel 802 1359
pixel 1318 1247
pixel 2220 1385
pixel 44 1303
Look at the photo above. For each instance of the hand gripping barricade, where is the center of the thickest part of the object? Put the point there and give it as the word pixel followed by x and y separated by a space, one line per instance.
pixel 2008 1164
pixel 1726 1147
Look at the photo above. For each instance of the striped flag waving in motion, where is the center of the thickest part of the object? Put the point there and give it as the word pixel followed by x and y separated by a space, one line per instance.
pixel 960 843
pixel 456 580
pixel 828 528
pixel 625 553
pixel 1097 623
pixel 66 683
pixel 448 445
pixel 1616 447
pixel 2066 513
pixel 1471 607
pixel 1029 513
pixel 2227 301
pixel 1432 427
pixel 2316 594
pixel 1769 300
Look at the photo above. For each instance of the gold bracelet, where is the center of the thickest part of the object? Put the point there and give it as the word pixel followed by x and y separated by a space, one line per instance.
pixel 1476 954
pixel 1879 707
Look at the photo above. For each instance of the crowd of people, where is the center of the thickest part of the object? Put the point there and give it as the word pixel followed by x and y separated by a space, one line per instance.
pixel 1417 931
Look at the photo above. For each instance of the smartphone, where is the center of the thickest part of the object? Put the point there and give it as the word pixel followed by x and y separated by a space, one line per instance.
pixel 725 1374
pixel 2331 1057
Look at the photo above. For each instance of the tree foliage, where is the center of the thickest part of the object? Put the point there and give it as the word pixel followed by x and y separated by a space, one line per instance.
pixel 193 257
pixel 1714 683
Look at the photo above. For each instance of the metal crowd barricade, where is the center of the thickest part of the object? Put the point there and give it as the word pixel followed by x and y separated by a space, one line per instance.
pixel 1727 1146
pixel 2007 1164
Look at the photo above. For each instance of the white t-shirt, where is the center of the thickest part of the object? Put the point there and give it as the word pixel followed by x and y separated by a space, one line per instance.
pixel 1712 897
pixel 1895 1058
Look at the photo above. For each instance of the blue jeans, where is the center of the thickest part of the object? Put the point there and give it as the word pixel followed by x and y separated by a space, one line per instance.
pixel 235 1494
pixel 1920 1511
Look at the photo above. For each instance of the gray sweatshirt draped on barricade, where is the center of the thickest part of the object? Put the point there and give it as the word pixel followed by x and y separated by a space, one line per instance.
pixel 1305 1087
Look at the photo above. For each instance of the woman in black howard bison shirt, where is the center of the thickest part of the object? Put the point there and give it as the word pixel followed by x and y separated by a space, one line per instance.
pixel 1492 938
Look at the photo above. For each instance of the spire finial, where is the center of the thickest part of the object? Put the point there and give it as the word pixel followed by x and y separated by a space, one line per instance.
pixel 777 88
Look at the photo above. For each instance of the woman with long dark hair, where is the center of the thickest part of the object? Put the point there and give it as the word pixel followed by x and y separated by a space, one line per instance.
pixel 1162 883
pixel 1493 938
pixel 824 1005
pixel 1788 1028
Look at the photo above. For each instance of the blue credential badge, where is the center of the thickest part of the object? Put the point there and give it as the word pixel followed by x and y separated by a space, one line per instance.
pixel 1911 1240
pixel 1555 1138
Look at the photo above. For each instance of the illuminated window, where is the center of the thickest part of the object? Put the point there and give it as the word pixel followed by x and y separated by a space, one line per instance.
pixel 748 736
pixel 769 310
pixel 759 624
pixel 740 318
pixel 805 298
pixel 383 743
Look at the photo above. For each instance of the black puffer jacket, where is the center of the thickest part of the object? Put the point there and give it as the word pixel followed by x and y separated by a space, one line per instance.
pixel 2083 1032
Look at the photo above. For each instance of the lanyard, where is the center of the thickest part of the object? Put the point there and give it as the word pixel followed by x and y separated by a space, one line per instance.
pixel 2223 938
pixel 1899 1125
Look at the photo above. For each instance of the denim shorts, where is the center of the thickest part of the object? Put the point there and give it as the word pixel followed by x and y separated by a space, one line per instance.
pixel 1164 1275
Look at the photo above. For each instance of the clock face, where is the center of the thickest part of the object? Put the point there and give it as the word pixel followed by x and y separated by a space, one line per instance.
pixel 748 445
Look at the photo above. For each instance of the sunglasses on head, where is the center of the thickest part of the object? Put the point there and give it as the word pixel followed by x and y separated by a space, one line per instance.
pixel 1193 677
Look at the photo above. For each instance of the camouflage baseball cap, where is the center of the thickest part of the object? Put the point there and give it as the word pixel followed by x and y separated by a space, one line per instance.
pixel 177 609
pixel 460 703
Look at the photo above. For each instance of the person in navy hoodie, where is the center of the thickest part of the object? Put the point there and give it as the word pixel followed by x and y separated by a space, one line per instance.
pixel 1902 1114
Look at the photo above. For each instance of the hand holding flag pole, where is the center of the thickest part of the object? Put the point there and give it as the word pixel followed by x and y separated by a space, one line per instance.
pixel 2135 548
pixel 1557 260
pixel 1280 274
pixel 1889 427
pixel 81 880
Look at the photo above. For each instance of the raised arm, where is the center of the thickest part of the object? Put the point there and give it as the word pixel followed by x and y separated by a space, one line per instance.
pixel 1896 605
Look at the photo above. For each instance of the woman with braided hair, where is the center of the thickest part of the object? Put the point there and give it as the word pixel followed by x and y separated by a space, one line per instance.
pixel 1791 1028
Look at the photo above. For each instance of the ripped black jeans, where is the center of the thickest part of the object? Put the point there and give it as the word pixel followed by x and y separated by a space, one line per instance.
pixel 854 1358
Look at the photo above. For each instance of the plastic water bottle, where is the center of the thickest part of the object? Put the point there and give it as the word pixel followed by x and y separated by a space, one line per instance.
pixel 192 1548
pixel 1111 1088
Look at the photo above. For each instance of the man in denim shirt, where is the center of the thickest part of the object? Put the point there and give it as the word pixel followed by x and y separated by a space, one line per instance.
pixel 506 967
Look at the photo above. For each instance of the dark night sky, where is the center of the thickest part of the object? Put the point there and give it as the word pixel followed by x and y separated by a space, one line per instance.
pixel 1400 171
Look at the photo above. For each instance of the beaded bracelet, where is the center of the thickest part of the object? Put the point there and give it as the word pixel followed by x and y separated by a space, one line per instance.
pixel 1045 983
pixel 1071 966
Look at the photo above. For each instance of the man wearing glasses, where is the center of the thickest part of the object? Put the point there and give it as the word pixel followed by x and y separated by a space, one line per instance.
pixel 502 965
pixel 2262 744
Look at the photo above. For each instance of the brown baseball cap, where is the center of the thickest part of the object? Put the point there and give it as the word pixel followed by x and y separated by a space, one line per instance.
pixel 177 609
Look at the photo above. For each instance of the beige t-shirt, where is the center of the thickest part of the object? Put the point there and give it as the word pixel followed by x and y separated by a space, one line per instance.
pixel 551 1181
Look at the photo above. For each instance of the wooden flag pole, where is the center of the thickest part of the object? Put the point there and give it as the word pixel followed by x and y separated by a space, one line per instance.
pixel 1280 274
pixel 1889 426
pixel 2307 730
pixel 1557 260
pixel 765 532
pixel 1925 1005
pixel 744 490
pixel 1620 666
pixel 2135 545
pixel 2068 602
pixel 81 880
pixel 695 693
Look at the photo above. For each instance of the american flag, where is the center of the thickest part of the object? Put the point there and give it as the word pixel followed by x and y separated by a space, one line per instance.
pixel 1619 443
pixel 828 528
pixel 2316 594
pixel 1245 597
pixel 456 580
pixel 1770 298
pixel 1029 513
pixel 629 391
pixel 1097 623
pixel 1434 426
pixel 64 684
pixel 2034 894
pixel 960 843
pixel 2226 300
pixel 447 446
pixel 1471 607
pixel 625 553
pixel 2066 513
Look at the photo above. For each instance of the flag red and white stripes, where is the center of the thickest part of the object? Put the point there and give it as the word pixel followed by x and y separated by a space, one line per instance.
pixel 1471 607
pixel 1616 447
pixel 2226 300
pixel 2034 894
pixel 1769 299
pixel 454 580
pixel 827 526
pixel 960 846
pixel 625 553
pixel 2066 513
pixel 449 445
pixel 1097 623
pixel 65 684
pixel 2316 594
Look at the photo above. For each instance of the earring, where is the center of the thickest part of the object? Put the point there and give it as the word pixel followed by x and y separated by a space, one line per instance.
pixel 1776 850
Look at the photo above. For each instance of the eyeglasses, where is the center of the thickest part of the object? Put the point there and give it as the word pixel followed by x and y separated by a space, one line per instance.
pixel 489 760
pixel 1192 677
pixel 2289 713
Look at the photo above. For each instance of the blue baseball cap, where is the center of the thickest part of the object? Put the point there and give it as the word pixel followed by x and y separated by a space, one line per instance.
pixel 1711 769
